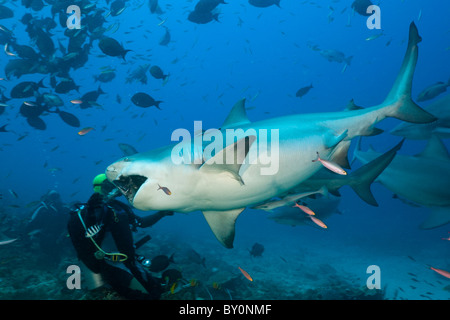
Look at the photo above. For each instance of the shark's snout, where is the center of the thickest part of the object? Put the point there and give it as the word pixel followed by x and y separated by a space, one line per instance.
pixel 112 172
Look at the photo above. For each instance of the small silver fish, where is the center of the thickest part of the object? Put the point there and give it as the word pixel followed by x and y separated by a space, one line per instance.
pixel 7 241
pixel 330 165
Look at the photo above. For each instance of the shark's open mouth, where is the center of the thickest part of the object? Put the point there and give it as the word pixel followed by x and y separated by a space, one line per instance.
pixel 129 185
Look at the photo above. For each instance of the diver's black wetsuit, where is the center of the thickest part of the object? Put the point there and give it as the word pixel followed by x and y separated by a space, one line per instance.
pixel 114 217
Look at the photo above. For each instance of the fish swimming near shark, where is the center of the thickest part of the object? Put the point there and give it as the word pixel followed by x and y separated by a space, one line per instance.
pixel 264 159
pixel 323 207
pixel 423 179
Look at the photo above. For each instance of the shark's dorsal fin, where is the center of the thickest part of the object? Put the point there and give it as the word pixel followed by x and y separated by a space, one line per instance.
pixel 237 116
pixel 222 224
pixel 220 163
pixel 435 149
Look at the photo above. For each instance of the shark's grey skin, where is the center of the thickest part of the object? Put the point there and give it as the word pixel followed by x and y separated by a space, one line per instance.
pixel 423 179
pixel 222 192
pixel 440 128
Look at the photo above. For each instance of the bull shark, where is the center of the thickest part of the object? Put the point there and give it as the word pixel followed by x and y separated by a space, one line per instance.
pixel 440 128
pixel 267 158
pixel 423 179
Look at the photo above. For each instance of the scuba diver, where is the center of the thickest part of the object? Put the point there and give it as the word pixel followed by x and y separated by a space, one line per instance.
pixel 103 214
pixel 46 225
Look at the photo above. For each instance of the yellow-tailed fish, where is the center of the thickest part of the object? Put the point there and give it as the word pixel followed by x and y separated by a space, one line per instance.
pixel 245 274
pixel 166 190
pixel 84 131
pixel 305 209
pixel 318 222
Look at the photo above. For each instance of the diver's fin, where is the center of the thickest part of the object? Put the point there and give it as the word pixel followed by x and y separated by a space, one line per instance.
pixel 400 95
pixel 439 216
pixel 230 158
pixel 362 178
pixel 237 116
pixel 222 225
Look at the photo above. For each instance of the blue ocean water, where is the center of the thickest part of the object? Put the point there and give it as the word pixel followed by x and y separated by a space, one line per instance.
pixel 264 55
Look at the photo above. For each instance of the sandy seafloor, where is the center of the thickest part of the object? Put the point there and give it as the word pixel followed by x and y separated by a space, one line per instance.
pixel 299 262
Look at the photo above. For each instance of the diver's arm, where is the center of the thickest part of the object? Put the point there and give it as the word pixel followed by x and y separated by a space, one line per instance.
pixel 148 221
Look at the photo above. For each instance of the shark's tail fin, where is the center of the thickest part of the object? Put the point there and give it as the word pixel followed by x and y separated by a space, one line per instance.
pixel 403 107
pixel 362 178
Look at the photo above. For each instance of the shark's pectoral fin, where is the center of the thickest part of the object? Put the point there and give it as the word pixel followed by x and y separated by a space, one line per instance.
pixel 230 158
pixel 222 224
pixel 439 216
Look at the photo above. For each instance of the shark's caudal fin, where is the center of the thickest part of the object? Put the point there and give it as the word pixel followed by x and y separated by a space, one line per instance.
pixel 222 225
pixel 400 95
pixel 362 178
